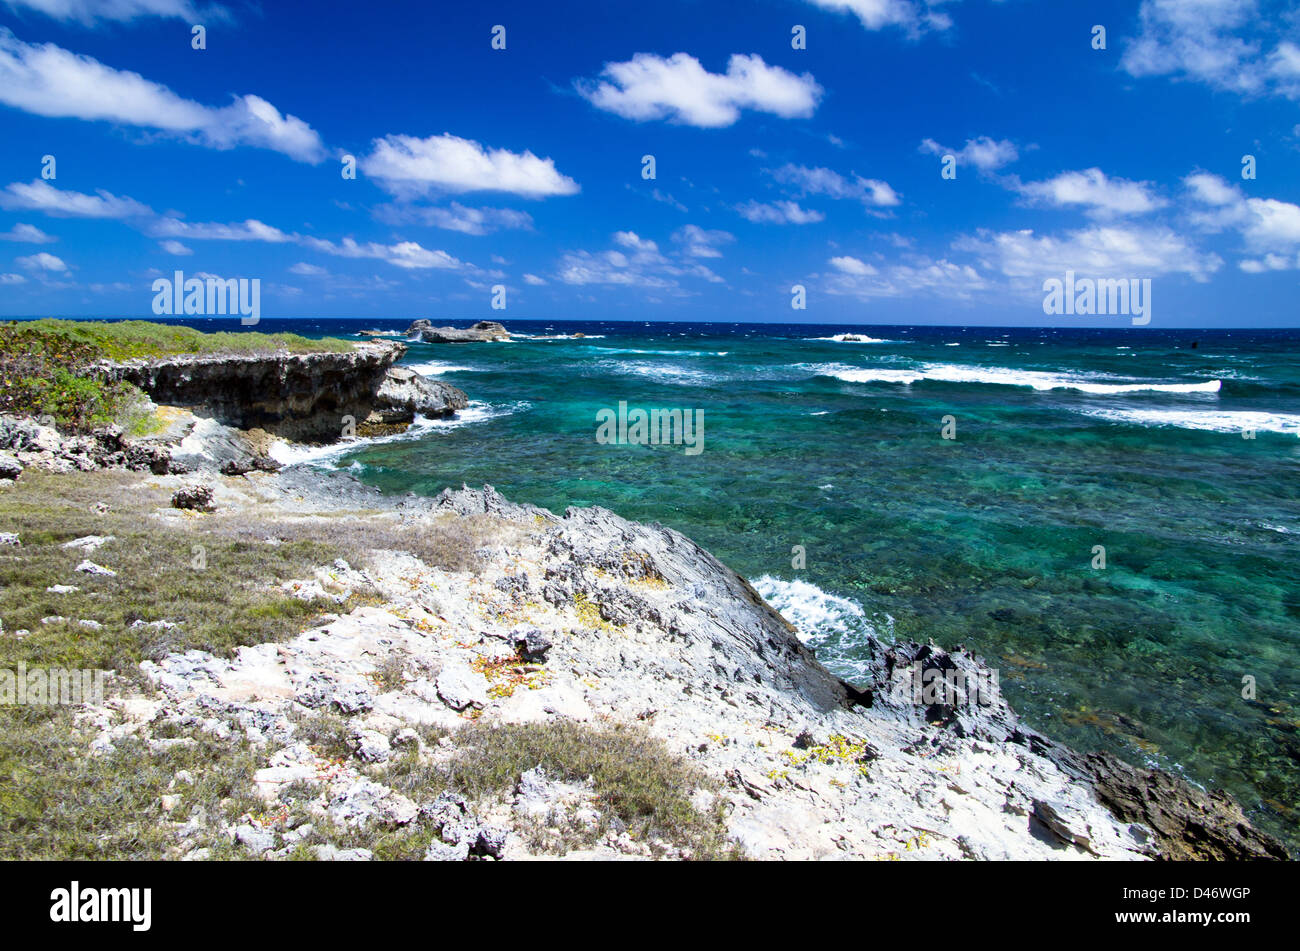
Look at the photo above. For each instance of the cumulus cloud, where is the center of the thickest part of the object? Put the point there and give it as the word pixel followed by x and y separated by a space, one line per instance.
pixel 303 269
pixel 42 261
pixel 1094 193
pixel 411 166
pixel 778 213
pixel 534 280
pixel 985 154
pixel 43 197
pixel 12 279
pixel 681 90
pixel 1222 43
pixel 176 248
pixel 851 265
pixel 27 234
pixel 1269 228
pixel 871 192
pixel 47 80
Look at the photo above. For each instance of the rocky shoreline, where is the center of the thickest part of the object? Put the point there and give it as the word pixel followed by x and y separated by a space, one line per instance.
pixel 577 618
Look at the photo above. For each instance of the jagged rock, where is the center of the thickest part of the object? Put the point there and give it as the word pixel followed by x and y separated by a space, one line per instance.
pixel 491 841
pixel 1063 822
pixel 404 393
pixel 90 568
pixel 460 687
pixel 440 851
pixel 531 643
pixel 254 839
pixel 195 497
pixel 372 746
pixel 484 330
pixel 88 543
pixel 10 467
pixel 1189 823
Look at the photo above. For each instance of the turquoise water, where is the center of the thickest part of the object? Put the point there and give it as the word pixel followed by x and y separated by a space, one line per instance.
pixel 1130 440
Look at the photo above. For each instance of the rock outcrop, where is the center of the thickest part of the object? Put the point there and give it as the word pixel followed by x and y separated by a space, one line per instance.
pixel 300 396
pixel 403 393
pixel 610 621
pixel 481 332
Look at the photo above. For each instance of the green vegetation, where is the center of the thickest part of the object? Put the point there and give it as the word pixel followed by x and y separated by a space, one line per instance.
pixel 43 365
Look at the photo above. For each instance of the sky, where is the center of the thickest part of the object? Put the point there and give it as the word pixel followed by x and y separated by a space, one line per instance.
pixel 899 161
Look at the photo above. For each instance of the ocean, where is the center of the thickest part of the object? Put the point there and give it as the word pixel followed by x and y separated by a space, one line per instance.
pixel 1111 518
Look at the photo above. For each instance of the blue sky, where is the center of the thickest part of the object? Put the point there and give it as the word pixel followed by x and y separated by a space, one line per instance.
pixel 522 167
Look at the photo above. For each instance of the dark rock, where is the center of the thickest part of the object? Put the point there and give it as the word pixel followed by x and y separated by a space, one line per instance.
pixel 531 643
pixel 303 396
pixel 10 467
pixel 1189 823
pixel 195 497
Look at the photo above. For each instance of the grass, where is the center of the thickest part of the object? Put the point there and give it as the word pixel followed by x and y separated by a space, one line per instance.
pixel 640 785
pixel 55 801
pixel 43 365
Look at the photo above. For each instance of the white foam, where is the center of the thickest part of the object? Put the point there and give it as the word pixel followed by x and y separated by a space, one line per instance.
pixel 1221 421
pixel 814 613
pixel 837 627
pixel 852 338
pixel 437 367
pixel 1037 379
pixel 290 454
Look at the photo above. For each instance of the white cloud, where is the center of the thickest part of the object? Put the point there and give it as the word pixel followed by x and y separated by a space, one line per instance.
pixel 701 243
pixel 851 265
pixel 42 196
pixel 12 279
pixel 639 264
pixel 304 269
pixel 534 280
pixel 916 276
pixel 42 262
pixel 1222 43
pixel 27 234
pixel 822 181
pixel 89 12
pixel 457 217
pixel 411 166
pixel 1093 192
pixel 50 81
pixel 910 15
pixel 1104 251
pixel 779 213
pixel 1268 227
pixel 984 153
pixel 404 254
pixel 250 230
pixel 175 247
pixel 680 90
